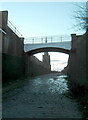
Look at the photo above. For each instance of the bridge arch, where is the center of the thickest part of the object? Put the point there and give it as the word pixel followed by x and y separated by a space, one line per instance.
pixel 47 49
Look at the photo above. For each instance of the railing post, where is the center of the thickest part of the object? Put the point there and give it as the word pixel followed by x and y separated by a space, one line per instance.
pixel 51 39
pixel 32 40
pixel 15 29
pixel 61 38
pixel 46 40
pixel 42 40
pixel 21 35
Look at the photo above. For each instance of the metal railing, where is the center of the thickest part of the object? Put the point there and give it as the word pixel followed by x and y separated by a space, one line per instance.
pixel 47 39
pixel 1 30
pixel 14 29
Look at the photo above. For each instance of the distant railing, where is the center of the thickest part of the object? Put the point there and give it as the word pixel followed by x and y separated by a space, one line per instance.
pixel 14 29
pixel 47 39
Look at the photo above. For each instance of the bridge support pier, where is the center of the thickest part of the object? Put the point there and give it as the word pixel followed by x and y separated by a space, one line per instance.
pixel 46 60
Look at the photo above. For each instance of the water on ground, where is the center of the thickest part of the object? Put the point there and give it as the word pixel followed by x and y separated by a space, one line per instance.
pixel 40 97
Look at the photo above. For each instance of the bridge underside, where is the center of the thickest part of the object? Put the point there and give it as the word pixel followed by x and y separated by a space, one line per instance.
pixel 48 49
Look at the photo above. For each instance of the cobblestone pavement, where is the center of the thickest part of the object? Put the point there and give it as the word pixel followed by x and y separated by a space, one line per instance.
pixel 40 97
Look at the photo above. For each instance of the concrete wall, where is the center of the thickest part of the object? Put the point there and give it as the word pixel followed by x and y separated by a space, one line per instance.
pixel 78 62
pixel 12 51
pixel 12 44
pixel 12 67
pixel 87 58
pixel 34 67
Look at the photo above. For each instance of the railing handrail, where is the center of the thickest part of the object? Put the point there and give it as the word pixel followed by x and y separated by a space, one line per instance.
pixel 14 29
pixel 47 39
pixel 2 31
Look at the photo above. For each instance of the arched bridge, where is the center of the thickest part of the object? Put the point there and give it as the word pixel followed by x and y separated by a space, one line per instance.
pixel 47 49
pixel 59 46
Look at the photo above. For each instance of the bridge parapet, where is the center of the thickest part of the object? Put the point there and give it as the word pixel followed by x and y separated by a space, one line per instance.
pixel 50 46
pixel 47 39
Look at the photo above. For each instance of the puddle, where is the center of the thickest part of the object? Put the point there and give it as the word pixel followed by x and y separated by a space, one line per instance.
pixel 58 84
